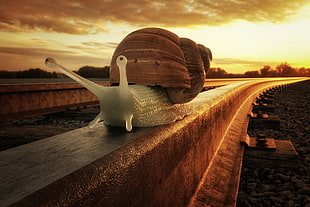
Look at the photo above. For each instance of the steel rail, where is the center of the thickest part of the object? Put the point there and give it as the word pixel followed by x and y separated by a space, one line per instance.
pixel 27 100
pixel 195 161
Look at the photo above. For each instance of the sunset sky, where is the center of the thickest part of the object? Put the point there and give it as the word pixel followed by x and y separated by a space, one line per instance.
pixel 242 34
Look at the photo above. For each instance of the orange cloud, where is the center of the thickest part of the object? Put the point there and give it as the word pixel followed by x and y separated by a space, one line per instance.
pixel 16 58
pixel 32 51
pixel 230 61
pixel 91 16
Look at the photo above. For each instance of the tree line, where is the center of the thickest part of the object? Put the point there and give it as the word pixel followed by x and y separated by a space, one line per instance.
pixel 282 70
pixel 85 71
pixel 94 72
pixel 30 73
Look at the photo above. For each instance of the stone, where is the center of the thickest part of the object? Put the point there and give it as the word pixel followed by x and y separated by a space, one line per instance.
pixel 277 182
pixel 242 196
pixel 252 200
pixel 287 194
pixel 276 200
pixel 282 177
pixel 285 187
pixel 299 184
pixel 304 191
pixel 289 204
pixel 264 188
pixel 257 195
pixel 245 171
pixel 255 173
pixel 268 194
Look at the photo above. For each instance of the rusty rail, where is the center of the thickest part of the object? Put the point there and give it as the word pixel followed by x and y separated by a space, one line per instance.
pixel 192 162
pixel 27 100
pixel 19 101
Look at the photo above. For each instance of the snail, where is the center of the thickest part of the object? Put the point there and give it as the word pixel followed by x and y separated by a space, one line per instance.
pixel 159 57
pixel 143 59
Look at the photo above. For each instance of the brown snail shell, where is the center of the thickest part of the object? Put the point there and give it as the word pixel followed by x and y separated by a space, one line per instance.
pixel 206 55
pixel 159 57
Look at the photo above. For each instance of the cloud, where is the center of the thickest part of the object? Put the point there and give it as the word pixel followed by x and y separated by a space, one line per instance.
pixel 92 16
pixel 16 58
pixel 229 61
pixel 235 65
pixel 33 51
pixel 19 58
pixel 96 45
pixel 244 63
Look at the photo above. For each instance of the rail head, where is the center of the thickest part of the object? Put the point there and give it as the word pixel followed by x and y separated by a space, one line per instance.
pixel 159 166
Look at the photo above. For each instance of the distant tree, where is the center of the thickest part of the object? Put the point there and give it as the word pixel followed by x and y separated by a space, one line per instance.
pixel 94 72
pixel 54 75
pixel 30 73
pixel 304 72
pixel 34 73
pixel 216 73
pixel 252 74
pixel 268 71
pixel 7 74
pixel 265 71
pixel 284 69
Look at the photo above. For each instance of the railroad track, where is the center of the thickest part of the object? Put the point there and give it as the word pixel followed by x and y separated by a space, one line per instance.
pixel 195 161
pixel 33 99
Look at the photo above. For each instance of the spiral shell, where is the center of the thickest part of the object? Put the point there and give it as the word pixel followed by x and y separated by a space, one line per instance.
pixel 157 57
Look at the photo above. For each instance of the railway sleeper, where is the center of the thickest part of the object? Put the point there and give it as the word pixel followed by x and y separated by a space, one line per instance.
pixel 262 120
pixel 268 108
pixel 269 153
pixel 264 99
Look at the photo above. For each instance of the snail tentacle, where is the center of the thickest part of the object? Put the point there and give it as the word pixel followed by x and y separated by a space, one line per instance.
pixel 93 87
pixel 126 99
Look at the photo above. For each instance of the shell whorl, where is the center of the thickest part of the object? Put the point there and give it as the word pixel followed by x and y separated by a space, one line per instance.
pixel 158 57
pixel 206 55
pixel 154 58
pixel 196 71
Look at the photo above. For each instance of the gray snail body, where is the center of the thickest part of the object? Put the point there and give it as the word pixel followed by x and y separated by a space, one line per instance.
pixel 142 104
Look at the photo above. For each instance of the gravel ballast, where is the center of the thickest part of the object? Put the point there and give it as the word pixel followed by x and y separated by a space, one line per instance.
pixel 282 186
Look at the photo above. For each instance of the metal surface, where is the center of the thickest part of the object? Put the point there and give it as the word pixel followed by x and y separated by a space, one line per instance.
pixel 260 143
pixel 32 99
pixel 219 184
pixel 26 100
pixel 25 169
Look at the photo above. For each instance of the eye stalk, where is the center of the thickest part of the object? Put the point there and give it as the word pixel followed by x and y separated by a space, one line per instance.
pixel 93 87
pixel 49 60
pixel 121 61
